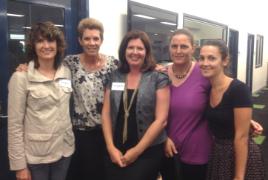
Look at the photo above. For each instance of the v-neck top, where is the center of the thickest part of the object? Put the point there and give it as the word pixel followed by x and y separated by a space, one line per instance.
pixel 187 126
pixel 221 117
pixel 132 134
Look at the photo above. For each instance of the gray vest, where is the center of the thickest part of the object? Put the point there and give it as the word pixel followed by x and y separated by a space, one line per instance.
pixel 146 100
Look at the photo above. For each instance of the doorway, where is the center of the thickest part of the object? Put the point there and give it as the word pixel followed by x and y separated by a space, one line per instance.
pixel 250 55
pixel 233 51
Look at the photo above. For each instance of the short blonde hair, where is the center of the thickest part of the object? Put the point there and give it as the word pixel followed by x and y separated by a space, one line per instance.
pixel 89 23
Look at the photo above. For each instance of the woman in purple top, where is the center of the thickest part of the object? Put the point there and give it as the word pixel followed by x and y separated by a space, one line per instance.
pixel 190 142
pixel 189 138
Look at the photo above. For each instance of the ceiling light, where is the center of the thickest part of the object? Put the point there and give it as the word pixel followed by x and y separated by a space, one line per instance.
pixel 168 23
pixel 15 15
pixel 143 16
pixel 59 25
pixel 17 36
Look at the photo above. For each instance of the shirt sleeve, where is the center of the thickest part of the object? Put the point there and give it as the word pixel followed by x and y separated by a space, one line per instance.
pixel 241 95
pixel 108 80
pixel 113 65
pixel 162 80
pixel 16 111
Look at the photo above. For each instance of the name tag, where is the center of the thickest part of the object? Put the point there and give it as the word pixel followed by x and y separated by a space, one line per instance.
pixel 65 83
pixel 118 86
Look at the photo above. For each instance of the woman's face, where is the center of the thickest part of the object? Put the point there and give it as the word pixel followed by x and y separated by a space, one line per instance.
pixel 135 53
pixel 91 42
pixel 180 49
pixel 211 62
pixel 45 49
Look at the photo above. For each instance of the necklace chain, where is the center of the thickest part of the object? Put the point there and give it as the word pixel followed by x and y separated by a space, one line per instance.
pixel 127 108
pixel 181 76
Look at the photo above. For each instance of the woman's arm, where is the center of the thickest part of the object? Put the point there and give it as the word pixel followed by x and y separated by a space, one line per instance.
pixel 115 155
pixel 17 97
pixel 242 117
pixel 161 113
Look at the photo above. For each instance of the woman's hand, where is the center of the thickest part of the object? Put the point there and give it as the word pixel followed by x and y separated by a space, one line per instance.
pixel 256 128
pixel 22 67
pixel 23 174
pixel 161 68
pixel 116 156
pixel 170 148
pixel 130 156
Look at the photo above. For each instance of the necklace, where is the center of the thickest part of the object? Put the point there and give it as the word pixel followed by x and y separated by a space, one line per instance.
pixel 181 76
pixel 93 66
pixel 127 108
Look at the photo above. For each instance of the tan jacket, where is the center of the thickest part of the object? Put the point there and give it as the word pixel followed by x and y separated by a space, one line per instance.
pixel 39 125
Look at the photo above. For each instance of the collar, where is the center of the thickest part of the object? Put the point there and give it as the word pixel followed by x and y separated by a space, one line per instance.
pixel 35 76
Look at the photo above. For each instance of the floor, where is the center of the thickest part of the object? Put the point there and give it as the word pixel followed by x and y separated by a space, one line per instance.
pixel 260 114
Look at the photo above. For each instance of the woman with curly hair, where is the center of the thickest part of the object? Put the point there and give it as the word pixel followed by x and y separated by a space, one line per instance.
pixel 40 136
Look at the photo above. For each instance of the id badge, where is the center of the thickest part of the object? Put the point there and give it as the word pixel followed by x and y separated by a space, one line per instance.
pixel 65 83
pixel 118 86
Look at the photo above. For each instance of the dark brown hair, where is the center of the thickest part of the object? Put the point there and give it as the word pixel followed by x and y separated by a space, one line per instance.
pixel 90 23
pixel 149 61
pixel 224 51
pixel 50 32
pixel 220 44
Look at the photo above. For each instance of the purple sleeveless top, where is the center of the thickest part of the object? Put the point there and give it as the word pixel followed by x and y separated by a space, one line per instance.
pixel 186 124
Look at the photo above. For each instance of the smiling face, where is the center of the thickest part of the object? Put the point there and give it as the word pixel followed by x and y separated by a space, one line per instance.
pixel 91 42
pixel 211 62
pixel 135 53
pixel 181 50
pixel 45 49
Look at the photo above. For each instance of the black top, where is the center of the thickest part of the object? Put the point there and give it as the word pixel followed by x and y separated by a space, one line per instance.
pixel 221 117
pixel 132 135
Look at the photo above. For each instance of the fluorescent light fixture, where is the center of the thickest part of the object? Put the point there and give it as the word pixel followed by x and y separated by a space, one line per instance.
pixel 59 25
pixel 23 43
pixel 168 23
pixel 172 31
pixel 17 36
pixel 156 34
pixel 143 16
pixel 26 27
pixel 15 15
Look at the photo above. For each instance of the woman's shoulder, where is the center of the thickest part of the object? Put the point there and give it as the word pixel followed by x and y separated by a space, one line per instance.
pixel 160 74
pixel 18 79
pixel 158 77
pixel 111 61
pixel 23 75
pixel 73 58
pixel 19 75
pixel 238 88
pixel 238 84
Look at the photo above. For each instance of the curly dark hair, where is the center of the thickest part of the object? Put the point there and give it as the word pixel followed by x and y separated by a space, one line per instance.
pixel 149 62
pixel 49 31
